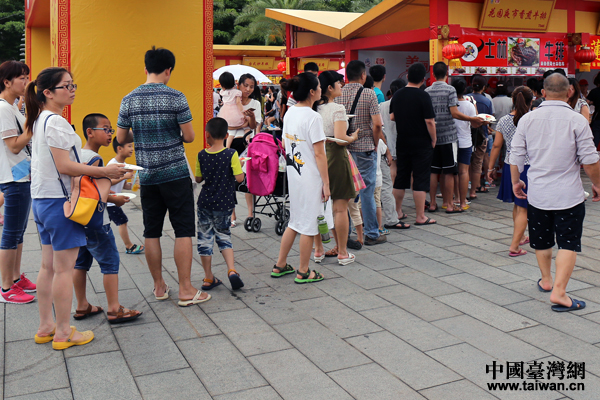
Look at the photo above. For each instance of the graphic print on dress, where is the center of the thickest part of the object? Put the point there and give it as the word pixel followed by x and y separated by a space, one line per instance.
pixel 296 160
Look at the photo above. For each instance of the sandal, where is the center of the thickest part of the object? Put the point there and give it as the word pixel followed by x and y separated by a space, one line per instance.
pixel 235 280
pixel 526 241
pixel 212 283
pixel 482 189
pixel 521 252
pixel 288 269
pixel 332 253
pixel 135 249
pixel 122 316
pixel 164 296
pixel 83 314
pixel 320 258
pixel 195 300
pixel 345 261
pixel 306 277
pixel 432 210
pixel 88 336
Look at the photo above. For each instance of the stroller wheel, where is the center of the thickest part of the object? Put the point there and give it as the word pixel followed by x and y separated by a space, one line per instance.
pixel 248 224
pixel 280 227
pixel 256 224
pixel 286 215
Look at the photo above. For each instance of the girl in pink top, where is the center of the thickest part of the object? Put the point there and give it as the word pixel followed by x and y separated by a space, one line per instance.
pixel 232 110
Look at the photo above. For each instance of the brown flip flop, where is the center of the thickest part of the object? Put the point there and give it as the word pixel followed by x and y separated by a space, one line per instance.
pixel 122 316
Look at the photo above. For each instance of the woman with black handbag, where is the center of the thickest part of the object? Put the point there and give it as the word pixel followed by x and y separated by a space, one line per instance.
pixel 56 146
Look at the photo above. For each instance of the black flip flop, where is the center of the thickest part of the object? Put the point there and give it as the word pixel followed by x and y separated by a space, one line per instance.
pixel 427 222
pixel 402 226
pixel 458 211
pixel 480 190
pixel 404 216
pixel 430 210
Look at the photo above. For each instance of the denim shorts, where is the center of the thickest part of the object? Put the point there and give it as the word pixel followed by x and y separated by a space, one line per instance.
pixel 117 215
pixel 213 225
pixel 54 228
pixel 17 203
pixel 101 246
pixel 464 155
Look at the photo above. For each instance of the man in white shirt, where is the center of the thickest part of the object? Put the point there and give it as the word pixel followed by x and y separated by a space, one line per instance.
pixel 557 141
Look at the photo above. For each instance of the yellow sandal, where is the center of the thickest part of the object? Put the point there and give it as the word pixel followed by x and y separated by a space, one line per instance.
pixel 88 336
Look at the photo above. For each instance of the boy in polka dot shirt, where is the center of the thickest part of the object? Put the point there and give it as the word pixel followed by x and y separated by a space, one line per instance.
pixel 219 168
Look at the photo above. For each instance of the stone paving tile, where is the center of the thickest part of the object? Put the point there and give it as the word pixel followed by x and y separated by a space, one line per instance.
pixel 363 276
pixel 427 250
pixel 184 322
pixel 477 241
pixel 273 306
pixel 27 368
pixel 393 355
pixel 487 312
pixel 471 363
pixel 482 270
pixel 104 339
pixel 220 366
pixel 149 349
pixel 286 370
pixel 421 282
pixel 352 295
pixel 24 321
pixel 248 332
pixel 102 376
pixel 569 323
pixel 381 384
pixel 459 390
pixel 498 344
pixel 562 346
pixel 428 266
pixel 321 346
pixel 336 317
pixel 413 330
pixel 59 394
pixel 262 393
pixel 478 254
pixel 379 261
pixel 417 303
pixel 490 234
pixel 482 288
pixel 163 385
pixel 432 238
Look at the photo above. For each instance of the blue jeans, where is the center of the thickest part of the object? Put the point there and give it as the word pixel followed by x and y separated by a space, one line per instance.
pixel 101 245
pixel 17 203
pixel 490 143
pixel 366 162
pixel 213 225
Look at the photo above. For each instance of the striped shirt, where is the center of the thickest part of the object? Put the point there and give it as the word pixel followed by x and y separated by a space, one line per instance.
pixel 154 112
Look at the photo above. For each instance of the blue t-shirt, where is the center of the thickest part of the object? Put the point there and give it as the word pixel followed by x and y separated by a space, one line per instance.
pixel 218 171
pixel 484 105
pixel 379 93
pixel 154 112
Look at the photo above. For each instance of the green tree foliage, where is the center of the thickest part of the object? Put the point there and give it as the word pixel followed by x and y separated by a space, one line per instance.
pixel 244 21
pixel 12 26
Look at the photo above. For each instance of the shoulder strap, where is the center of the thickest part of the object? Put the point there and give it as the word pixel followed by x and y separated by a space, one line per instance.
pixel 64 188
pixel 355 103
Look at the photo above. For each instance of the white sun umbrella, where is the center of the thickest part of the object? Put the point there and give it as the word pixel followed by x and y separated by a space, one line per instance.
pixel 239 70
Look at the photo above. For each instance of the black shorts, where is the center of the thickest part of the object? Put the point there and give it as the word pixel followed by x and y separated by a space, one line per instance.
pixel 177 197
pixel 117 215
pixel 567 224
pixel 413 162
pixel 444 159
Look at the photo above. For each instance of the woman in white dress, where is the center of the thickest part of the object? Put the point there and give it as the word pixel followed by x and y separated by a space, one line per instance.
pixel 308 179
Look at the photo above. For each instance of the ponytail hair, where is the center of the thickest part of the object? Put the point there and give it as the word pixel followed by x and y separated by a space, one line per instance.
pixel 35 99
pixel 301 85
pixel 522 98
pixel 326 79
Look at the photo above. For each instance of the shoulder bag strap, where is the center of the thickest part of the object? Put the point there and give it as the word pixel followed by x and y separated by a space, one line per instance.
pixel 353 110
pixel 64 188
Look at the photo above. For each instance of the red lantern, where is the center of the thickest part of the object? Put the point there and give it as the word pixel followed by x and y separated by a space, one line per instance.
pixel 585 56
pixel 453 51
pixel 281 66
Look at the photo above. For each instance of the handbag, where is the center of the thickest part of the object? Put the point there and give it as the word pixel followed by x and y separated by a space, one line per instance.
pixel 359 183
pixel 353 110
pixel 87 200
pixel 23 168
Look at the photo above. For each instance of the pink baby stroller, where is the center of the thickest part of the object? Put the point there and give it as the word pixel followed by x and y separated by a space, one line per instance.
pixel 266 182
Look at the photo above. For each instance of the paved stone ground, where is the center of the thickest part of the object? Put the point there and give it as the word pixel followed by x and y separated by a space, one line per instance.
pixel 418 317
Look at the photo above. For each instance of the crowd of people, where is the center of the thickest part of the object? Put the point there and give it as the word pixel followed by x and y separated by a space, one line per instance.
pixel 355 154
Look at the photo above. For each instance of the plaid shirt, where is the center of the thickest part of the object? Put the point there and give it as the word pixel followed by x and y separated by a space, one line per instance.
pixel 367 106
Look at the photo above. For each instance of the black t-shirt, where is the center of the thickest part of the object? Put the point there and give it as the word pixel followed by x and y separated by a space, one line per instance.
pixel 411 107
pixel 594 96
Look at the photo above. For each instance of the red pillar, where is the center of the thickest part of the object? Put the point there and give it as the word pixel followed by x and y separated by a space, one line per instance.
pixel 438 15
pixel 572 65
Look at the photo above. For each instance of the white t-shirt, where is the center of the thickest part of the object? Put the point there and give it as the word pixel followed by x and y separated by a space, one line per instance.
pixel 381 149
pixel 9 115
pixel 86 156
pixel 117 188
pixel 302 128
pixel 389 127
pixel 464 127
pixel 58 134
pixel 257 115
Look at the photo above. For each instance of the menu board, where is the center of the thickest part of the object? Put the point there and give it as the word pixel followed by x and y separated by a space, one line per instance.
pixel 499 55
